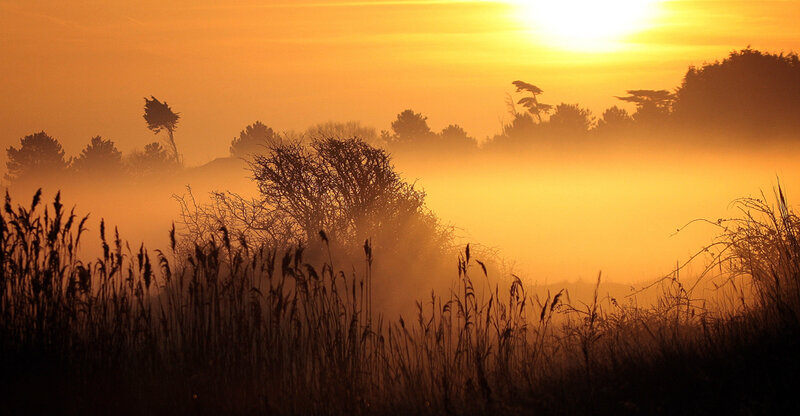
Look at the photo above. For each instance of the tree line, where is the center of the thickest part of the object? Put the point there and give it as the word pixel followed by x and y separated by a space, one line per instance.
pixel 41 157
pixel 748 93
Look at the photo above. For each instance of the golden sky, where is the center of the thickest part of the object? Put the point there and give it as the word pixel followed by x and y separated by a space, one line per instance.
pixel 81 68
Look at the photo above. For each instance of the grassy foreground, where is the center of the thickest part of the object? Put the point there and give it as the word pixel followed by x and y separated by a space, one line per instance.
pixel 227 328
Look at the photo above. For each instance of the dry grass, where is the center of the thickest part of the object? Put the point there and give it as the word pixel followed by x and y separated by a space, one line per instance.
pixel 230 328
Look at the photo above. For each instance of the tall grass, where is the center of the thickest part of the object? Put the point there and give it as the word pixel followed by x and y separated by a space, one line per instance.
pixel 231 328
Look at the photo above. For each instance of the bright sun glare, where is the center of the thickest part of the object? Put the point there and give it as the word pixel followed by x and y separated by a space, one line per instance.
pixel 587 25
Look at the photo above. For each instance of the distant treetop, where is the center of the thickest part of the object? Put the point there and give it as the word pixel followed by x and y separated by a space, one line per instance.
pixel 652 106
pixel 38 156
pixel 100 156
pixel 571 118
pixel 749 91
pixel 532 103
pixel 644 97
pixel 410 127
pixel 255 138
pixel 160 117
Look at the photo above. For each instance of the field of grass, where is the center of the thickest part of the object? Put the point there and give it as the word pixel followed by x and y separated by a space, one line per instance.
pixel 227 328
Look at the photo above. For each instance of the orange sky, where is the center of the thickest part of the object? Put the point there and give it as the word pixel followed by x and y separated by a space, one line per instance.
pixel 81 68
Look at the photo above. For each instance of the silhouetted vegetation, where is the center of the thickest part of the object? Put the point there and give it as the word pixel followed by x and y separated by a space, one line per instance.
pixel 286 301
pixel 410 129
pixel 255 138
pixel 411 134
pixel 614 120
pixel 244 329
pixel 747 92
pixel 160 117
pixel 39 157
pixel 152 162
pixel 652 106
pixel 343 186
pixel 571 119
pixel 100 157
pixel 532 103
pixel 455 138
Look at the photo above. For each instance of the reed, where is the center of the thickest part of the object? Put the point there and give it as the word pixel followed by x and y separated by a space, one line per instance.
pixel 214 327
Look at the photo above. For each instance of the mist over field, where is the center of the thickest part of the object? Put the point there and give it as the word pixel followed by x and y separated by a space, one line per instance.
pixel 571 261
pixel 556 197
pixel 548 218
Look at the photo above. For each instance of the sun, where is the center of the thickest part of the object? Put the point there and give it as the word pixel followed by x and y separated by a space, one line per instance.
pixel 588 25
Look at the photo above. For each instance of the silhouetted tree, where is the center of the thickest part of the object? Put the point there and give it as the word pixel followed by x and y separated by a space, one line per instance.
pixel 454 137
pixel 159 117
pixel 345 187
pixel 153 160
pixel 343 192
pixel 571 118
pixel 749 91
pixel 614 119
pixel 255 138
pixel 652 106
pixel 100 156
pixel 519 133
pixel 39 156
pixel 410 127
pixel 532 103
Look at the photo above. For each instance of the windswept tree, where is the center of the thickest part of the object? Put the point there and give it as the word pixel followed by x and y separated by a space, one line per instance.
pixel 255 138
pixel 532 103
pixel 652 106
pixel 39 156
pixel 160 117
pixel 100 156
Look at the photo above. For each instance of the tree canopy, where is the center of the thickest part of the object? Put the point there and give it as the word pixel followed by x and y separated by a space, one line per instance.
pixel 571 118
pixel 155 159
pixel 749 91
pixel 614 119
pixel 454 137
pixel 38 156
pixel 532 103
pixel 343 186
pixel 410 127
pixel 255 138
pixel 159 116
pixel 99 156
pixel 652 106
